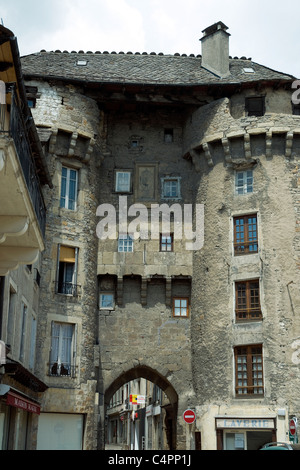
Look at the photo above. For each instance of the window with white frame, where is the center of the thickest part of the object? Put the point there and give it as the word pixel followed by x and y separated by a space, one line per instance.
pixel 125 244
pixel 244 182
pixel 63 349
pixel 123 181
pixel 69 185
pixel 67 262
pixel 170 188
pixel 107 301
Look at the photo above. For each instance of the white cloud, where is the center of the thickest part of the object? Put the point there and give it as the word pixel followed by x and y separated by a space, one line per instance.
pixel 263 30
pixel 93 25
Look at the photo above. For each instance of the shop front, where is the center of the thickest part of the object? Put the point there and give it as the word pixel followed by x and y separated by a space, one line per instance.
pixel 244 433
pixel 20 395
pixel 18 417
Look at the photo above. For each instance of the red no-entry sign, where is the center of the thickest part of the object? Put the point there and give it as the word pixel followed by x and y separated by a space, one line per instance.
pixel 293 427
pixel 189 416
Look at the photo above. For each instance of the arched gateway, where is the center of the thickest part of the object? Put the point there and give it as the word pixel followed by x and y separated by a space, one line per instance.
pixel 156 378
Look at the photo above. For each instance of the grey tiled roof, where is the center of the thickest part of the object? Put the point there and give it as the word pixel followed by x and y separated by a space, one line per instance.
pixel 140 69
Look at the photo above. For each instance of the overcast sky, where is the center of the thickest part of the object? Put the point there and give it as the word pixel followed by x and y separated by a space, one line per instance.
pixel 265 30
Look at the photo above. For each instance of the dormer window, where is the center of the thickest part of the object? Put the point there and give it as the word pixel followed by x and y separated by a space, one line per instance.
pixel 81 62
pixel 248 70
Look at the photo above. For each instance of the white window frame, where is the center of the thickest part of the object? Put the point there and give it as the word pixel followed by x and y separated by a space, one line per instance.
pixel 165 194
pixel 63 364
pixel 122 243
pixel 102 302
pixel 65 201
pixel 243 185
pixel 118 176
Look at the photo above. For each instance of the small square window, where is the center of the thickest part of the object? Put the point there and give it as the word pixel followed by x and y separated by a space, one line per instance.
pixel 107 301
pixel 244 182
pixel 31 103
pixel 168 136
pixel 123 181
pixel 171 188
pixel 125 244
pixel 181 307
pixel 255 106
pixel 166 242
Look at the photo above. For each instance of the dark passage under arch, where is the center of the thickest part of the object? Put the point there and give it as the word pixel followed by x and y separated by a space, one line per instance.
pixel 159 380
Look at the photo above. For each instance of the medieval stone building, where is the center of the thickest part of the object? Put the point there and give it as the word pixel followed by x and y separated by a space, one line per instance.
pixel 213 319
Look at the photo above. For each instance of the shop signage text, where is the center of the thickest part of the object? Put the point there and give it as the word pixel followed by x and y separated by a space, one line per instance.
pixel 245 423
pixel 24 404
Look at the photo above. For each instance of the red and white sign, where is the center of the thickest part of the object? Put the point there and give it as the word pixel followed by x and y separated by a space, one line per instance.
pixel 19 402
pixel 189 416
pixel 293 427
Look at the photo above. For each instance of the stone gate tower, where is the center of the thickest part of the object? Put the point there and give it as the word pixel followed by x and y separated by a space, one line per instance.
pixel 134 133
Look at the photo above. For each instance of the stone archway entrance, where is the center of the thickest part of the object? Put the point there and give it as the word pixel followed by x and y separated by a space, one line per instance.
pixel 170 409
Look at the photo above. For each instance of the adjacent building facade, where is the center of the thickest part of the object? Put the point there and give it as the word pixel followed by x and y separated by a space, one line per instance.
pixel 23 174
pixel 135 283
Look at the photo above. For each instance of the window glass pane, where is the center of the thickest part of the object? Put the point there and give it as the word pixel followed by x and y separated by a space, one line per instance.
pixel 69 188
pixel 107 301
pixel 63 191
pixel 170 188
pixel 125 244
pixel 244 182
pixel 123 181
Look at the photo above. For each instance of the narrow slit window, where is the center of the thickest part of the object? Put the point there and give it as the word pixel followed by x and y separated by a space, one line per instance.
pixel 69 185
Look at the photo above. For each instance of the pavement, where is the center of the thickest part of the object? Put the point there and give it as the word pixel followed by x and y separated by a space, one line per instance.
pixel 113 447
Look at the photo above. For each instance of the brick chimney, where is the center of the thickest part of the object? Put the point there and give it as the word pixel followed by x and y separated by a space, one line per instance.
pixel 215 49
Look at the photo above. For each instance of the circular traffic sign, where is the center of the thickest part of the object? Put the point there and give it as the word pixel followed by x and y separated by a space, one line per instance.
pixel 292 427
pixel 189 416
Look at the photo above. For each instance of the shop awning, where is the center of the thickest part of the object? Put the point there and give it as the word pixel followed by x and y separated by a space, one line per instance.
pixel 19 401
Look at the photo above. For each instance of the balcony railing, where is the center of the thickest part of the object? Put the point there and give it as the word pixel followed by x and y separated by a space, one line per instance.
pixel 18 132
pixel 67 288
pixel 57 369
